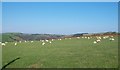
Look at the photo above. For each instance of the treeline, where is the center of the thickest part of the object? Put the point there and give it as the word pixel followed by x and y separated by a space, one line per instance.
pixel 106 33
pixel 95 34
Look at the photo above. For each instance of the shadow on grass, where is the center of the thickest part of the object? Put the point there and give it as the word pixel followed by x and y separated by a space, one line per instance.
pixel 10 63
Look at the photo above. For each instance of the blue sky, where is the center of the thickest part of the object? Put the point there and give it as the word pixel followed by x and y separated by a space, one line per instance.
pixel 0 18
pixel 60 0
pixel 59 17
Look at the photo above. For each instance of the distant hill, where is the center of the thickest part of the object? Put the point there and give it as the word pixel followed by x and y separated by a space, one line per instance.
pixel 10 37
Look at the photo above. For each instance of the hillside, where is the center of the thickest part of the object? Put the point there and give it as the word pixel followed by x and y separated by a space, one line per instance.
pixel 9 37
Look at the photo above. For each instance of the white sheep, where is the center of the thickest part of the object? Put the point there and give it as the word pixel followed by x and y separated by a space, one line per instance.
pixel 3 44
pixel 15 43
pixel 6 42
pixel 98 40
pixel 88 37
pixel 98 37
pixel 111 39
pixel 50 42
pixel 20 41
pixel 104 37
pixel 94 42
pixel 46 40
pixel 82 37
pixel 42 40
pixel 31 41
pixel 111 36
pixel 52 39
pixel 43 43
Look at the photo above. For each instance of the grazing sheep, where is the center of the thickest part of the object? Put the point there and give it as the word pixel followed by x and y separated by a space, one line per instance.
pixel 107 36
pixel 50 42
pixel 15 43
pixel 43 43
pixel 20 41
pixel 3 44
pixel 52 39
pixel 42 40
pixel 98 40
pixel 111 39
pixel 46 40
pixel 104 37
pixel 31 41
pixel 94 42
pixel 6 42
pixel 98 37
pixel 78 37
pixel 111 36
pixel 88 37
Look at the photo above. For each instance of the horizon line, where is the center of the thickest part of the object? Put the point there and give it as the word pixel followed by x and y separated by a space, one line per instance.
pixel 63 33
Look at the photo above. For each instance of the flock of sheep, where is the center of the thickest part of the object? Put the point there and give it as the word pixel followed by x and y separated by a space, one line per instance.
pixel 98 39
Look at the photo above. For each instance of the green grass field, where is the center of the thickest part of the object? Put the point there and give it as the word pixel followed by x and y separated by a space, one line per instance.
pixel 67 53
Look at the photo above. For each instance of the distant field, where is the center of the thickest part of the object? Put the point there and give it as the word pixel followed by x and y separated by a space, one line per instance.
pixel 65 53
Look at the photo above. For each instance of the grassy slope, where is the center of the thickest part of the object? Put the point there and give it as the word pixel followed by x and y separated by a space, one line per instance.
pixel 10 37
pixel 0 56
pixel 0 51
pixel 74 53
pixel 7 37
pixel 0 37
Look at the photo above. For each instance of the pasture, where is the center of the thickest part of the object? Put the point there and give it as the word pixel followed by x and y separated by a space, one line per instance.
pixel 65 53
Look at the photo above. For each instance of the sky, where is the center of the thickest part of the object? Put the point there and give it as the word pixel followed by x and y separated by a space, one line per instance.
pixel 59 17
pixel 0 18
pixel 60 0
